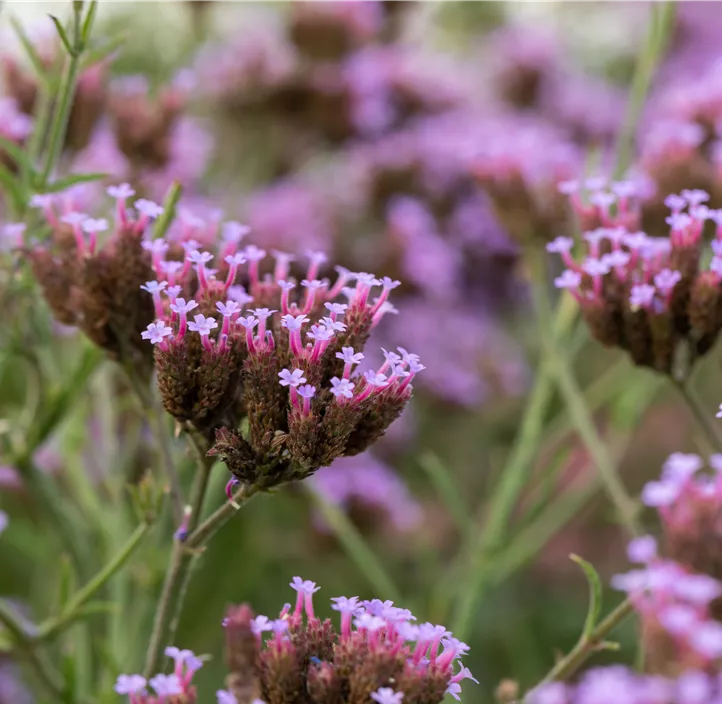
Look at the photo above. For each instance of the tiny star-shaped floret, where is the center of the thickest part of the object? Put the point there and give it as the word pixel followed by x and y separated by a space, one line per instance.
pixel 291 378
pixel 155 332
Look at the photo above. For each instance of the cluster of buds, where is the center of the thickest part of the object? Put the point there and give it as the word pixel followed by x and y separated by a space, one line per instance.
pixel 378 654
pixel 616 684
pixel 91 271
pixel 652 296
pixel 674 605
pixel 689 503
pixel 288 364
pixel 176 688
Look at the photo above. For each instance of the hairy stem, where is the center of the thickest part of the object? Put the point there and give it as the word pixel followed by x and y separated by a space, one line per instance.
pixel 177 577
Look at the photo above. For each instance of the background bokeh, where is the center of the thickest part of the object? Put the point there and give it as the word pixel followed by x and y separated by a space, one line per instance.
pixel 418 140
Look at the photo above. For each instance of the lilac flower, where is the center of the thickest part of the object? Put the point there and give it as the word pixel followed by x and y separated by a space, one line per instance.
pixel 642 295
pixel 229 308
pixel 238 294
pixel 122 191
pixel 560 244
pixel 341 388
pixel 348 355
pixel 291 378
pixel 666 280
pixel 569 279
pixel 225 697
pixel 260 624
pixel 306 392
pixel 154 286
pixel 675 202
pixel 375 379
pixel 253 253
pixel 642 549
pixel 198 257
pixel 293 322
pixel 234 232
pixel 156 332
pixel 695 196
pixel 181 307
pixel 595 267
pixel 386 695
pixel 3 521
pixel 148 208
pixel 166 685
pixel 202 325
pixel 130 684
pixel 91 225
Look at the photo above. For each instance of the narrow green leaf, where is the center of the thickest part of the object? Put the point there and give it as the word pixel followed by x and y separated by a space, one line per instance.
pixel 595 595
pixel 68 581
pixel 95 607
pixel 68 181
pixel 69 673
pixel 63 35
pixel 88 24
pixel 30 50
pixel 13 189
pixel 98 54
pixel 19 155
pixel 169 205
pixel 447 490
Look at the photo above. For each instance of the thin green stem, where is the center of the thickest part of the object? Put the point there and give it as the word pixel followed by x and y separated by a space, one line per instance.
pixel 355 546
pixel 516 473
pixel 200 485
pixel 177 577
pixel 660 26
pixel 62 114
pixel 73 609
pixel 46 675
pixel 701 415
pixel 587 646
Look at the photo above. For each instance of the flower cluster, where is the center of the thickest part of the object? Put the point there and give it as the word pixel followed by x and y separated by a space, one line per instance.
pixel 377 654
pixel 651 296
pixel 612 685
pixel 91 272
pixel 689 501
pixel 287 363
pixel 674 605
pixel 176 688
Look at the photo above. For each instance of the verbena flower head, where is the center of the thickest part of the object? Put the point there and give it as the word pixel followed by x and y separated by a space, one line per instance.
pixel 283 363
pixel 377 653
pixel 652 296
pixel 174 688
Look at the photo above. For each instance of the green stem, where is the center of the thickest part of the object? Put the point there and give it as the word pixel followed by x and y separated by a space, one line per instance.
pixel 177 577
pixel 701 414
pixel 355 546
pixel 46 675
pixel 660 25
pixel 62 115
pixel 586 647
pixel 582 418
pixel 512 481
pixel 71 611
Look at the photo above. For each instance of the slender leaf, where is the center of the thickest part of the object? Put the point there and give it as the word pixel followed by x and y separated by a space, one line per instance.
pixel 63 35
pixel 18 154
pixel 98 54
pixel 68 581
pixel 169 205
pixel 13 188
pixel 88 24
pixel 595 595
pixel 30 50
pixel 68 181
pixel 448 491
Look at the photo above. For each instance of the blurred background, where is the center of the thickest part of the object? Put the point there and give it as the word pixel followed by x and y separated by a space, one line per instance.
pixel 423 141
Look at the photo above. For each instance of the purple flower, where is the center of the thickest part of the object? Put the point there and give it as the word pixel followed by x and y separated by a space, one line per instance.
pixel 253 253
pixel 122 191
pixel 198 257
pixel 260 624
pixel 233 232
pixel 304 586
pixel 658 494
pixel 666 280
pixel 642 549
pixel 595 267
pixel 91 225
pixel 569 279
pixel 3 521
pixel 293 322
pixel 386 695
pixel 675 202
pixel 291 378
pixel 202 325
pixel 225 697
pixel 263 313
pixel 130 684
pixel 154 286
pixel 148 208
pixel 375 379
pixel 695 196
pixel 549 693
pixel 641 295
pixel 320 333
pixel 348 355
pixel 306 391
pixel 235 259
pixel 156 332
pixel 344 604
pixel 166 685
pixel 341 387
pixel 229 308
pixel 560 244
pixel 181 307
pixel 337 308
